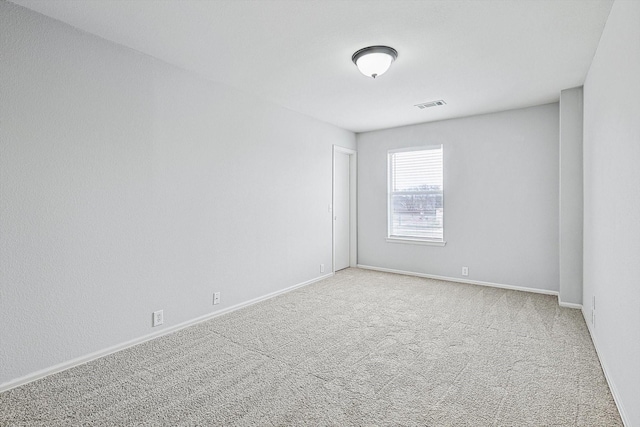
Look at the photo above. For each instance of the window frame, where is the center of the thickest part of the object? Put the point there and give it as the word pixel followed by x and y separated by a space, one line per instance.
pixel 390 193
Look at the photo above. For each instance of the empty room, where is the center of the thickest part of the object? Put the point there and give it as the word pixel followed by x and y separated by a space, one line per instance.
pixel 320 212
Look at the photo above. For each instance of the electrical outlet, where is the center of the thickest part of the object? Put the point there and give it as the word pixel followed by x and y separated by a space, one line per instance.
pixel 321 268
pixel 465 271
pixel 158 318
pixel 216 298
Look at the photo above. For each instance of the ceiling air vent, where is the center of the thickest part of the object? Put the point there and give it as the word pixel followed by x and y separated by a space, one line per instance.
pixel 430 104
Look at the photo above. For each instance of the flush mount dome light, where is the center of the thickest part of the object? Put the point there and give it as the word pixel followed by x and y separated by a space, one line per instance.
pixel 374 61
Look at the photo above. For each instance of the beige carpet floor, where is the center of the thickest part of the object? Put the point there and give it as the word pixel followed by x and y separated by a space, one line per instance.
pixel 360 349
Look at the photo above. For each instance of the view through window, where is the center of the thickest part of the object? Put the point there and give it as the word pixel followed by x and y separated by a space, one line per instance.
pixel 416 194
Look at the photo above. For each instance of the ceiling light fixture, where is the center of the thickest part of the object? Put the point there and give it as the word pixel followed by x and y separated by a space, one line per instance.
pixel 374 61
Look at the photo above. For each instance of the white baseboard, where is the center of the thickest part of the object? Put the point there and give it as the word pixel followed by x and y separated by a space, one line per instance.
pixel 603 365
pixel 569 304
pixel 119 347
pixel 459 280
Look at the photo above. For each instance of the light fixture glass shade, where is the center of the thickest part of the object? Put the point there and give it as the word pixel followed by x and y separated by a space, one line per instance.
pixel 374 61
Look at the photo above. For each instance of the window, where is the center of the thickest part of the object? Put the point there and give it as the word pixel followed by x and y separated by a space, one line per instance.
pixel 416 195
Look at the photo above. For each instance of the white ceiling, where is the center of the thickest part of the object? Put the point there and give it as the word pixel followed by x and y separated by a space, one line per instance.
pixel 479 56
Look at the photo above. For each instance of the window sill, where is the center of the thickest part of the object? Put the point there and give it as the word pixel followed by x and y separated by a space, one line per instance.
pixel 415 242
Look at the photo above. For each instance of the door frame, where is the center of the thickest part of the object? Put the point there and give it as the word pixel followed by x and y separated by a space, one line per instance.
pixel 353 205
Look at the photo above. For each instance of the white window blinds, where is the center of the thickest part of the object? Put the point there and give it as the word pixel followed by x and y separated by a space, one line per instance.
pixel 416 194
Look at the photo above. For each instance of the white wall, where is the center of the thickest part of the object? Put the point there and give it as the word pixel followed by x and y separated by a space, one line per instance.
pixel 128 185
pixel 612 204
pixel 500 201
pixel 571 199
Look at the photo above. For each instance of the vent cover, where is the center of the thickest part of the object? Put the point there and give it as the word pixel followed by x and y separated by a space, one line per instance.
pixel 430 104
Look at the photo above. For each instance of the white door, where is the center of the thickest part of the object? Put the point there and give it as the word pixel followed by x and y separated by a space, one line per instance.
pixel 341 213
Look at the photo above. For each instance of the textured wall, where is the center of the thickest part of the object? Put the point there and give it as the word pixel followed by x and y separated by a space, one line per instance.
pixel 500 201
pixel 612 204
pixel 128 185
pixel 571 199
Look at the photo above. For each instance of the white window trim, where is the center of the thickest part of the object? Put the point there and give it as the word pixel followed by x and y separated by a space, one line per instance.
pixel 410 240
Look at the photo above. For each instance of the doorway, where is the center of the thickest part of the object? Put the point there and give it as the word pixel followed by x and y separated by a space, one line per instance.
pixel 344 208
